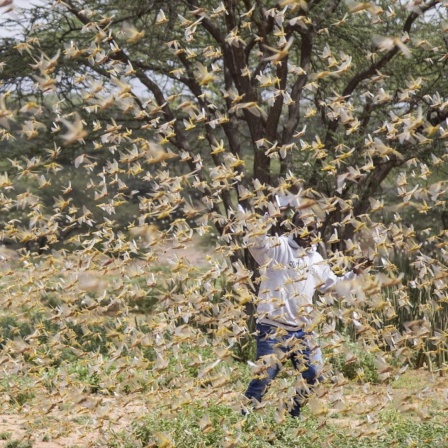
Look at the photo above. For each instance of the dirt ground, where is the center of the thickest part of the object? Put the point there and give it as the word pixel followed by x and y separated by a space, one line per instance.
pixel 50 426
pixel 56 429
pixel 87 430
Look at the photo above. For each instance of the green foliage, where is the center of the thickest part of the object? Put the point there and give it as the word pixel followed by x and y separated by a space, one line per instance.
pixel 86 376
pixel 355 363
pixel 19 444
pixel 196 427
pixel 245 349
pixel 5 435
pixel 217 425
pixel 420 308
pixel 12 327
pixel 153 294
pixel 21 398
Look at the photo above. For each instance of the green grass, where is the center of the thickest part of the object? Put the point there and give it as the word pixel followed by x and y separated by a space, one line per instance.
pixel 361 366
pixel 5 435
pixel 221 426
pixel 19 444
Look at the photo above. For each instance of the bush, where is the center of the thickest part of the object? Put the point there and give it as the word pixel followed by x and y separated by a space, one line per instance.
pixel 19 444
pixel 11 327
pixel 355 363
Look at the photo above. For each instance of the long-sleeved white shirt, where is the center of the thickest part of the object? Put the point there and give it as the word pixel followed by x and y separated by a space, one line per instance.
pixel 290 276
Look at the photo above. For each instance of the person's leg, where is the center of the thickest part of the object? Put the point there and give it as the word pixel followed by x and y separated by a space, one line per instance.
pixel 268 352
pixel 307 358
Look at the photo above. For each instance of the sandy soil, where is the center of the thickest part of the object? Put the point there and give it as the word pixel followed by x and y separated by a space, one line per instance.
pixel 57 430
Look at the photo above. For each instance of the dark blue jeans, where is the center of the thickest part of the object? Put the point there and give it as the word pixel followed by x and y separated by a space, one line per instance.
pixel 274 347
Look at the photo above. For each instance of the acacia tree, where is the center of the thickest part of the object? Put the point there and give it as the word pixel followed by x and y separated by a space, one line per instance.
pixel 183 110
pixel 303 87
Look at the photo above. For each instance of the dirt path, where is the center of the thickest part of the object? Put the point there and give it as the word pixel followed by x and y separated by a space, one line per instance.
pixel 59 430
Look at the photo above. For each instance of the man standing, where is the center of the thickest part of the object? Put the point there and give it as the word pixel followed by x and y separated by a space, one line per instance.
pixel 291 271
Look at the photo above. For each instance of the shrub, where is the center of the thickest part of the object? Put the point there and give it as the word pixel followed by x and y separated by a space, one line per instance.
pixel 19 444
pixel 355 363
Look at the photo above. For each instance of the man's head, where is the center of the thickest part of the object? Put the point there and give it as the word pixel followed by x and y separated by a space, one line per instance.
pixel 303 230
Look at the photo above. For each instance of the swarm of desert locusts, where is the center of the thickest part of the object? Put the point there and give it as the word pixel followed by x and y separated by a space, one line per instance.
pixel 143 145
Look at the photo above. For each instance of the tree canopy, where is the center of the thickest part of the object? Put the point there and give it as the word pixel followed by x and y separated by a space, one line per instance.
pixel 334 94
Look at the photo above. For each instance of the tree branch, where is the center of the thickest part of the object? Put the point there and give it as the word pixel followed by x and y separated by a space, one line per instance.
pixel 365 74
pixel 376 66
pixel 276 109
pixel 296 91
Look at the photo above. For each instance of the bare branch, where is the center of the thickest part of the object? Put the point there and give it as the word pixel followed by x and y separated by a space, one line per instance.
pixel 296 91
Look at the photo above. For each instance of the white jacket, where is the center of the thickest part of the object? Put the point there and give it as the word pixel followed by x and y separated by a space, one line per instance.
pixel 290 276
